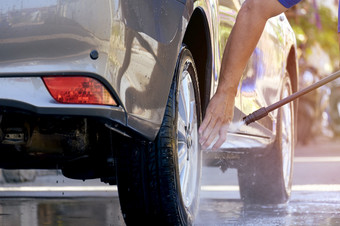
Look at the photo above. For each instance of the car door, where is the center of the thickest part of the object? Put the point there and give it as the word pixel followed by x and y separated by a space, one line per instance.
pixel 263 75
pixel 258 86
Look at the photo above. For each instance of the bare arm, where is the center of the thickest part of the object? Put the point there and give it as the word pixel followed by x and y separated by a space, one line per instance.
pixel 243 39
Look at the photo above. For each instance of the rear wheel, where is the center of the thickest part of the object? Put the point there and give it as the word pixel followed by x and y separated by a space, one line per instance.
pixel 335 110
pixel 158 183
pixel 267 179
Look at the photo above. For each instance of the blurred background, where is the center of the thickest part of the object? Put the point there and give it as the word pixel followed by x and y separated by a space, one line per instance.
pixel 315 23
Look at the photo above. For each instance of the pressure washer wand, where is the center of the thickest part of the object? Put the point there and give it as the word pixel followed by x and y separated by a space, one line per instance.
pixel 262 112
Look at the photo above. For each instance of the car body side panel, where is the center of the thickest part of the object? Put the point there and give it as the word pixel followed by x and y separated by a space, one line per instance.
pixel 227 13
pixel 264 72
pixel 262 79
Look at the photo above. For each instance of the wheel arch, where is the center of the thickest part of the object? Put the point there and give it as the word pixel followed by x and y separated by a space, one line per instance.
pixel 292 68
pixel 198 41
pixel 293 71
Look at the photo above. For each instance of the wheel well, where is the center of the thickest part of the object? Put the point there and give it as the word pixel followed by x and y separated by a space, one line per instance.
pixel 197 40
pixel 292 68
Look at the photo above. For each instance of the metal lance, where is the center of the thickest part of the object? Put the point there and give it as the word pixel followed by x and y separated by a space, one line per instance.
pixel 262 112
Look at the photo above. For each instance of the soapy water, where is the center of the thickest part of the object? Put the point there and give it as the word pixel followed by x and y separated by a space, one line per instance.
pixel 233 127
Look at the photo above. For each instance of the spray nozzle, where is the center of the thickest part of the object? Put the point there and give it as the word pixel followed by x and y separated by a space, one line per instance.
pixel 262 112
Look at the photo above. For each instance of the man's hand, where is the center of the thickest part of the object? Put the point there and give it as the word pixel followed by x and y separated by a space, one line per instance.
pixel 219 114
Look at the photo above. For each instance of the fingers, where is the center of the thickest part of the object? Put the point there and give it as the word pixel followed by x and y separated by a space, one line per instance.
pixel 215 130
pixel 216 121
pixel 205 123
pixel 206 130
pixel 211 135
pixel 222 137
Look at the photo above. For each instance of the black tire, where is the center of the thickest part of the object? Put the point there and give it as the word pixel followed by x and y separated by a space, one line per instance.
pixel 262 179
pixel 305 122
pixel 149 183
pixel 334 111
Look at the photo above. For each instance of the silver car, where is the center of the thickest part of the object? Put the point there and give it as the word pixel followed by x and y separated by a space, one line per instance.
pixel 117 89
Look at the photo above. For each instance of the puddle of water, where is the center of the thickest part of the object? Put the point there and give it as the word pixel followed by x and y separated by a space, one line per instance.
pixel 320 210
pixel 71 211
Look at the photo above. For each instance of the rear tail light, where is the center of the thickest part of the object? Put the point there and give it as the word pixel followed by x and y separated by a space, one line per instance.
pixel 78 90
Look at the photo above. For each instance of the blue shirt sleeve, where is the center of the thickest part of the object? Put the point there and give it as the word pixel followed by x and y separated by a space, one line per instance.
pixel 289 3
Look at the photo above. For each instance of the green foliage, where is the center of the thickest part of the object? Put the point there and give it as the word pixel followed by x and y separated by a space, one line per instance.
pixel 307 31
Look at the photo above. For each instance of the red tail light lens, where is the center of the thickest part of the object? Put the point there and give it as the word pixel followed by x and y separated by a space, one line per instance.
pixel 78 90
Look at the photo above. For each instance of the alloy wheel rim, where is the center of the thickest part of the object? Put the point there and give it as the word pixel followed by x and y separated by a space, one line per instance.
pixel 187 137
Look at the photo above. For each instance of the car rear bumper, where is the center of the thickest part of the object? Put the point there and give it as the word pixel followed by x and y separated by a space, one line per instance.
pixel 29 94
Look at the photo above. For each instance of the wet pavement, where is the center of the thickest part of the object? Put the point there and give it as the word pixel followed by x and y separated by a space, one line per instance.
pixel 305 208
pixel 315 197
pixel 55 200
pixel 60 211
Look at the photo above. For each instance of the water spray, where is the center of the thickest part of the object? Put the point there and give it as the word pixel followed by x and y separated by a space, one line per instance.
pixel 262 112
